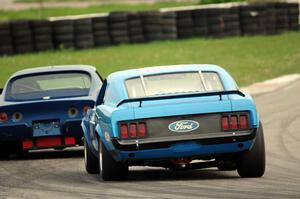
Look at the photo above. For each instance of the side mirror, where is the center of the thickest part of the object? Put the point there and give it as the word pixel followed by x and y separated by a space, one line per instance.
pixel 1 90
pixel 101 93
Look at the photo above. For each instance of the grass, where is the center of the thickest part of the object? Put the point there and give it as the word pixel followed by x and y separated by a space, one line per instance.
pixel 248 59
pixel 54 12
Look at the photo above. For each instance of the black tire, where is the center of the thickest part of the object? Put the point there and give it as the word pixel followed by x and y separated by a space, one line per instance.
pixel 100 19
pixel 185 22
pixel 26 48
pixel 135 23
pixel 120 39
pixel 169 22
pixel 91 162
pixel 6 50
pixel 119 33
pixel 226 165
pixel 4 155
pixel 252 163
pixel 109 169
pixel 100 26
pixel 43 46
pixel 42 31
pixel 137 38
pixel 101 41
pixel 11 148
pixel 135 31
pixel 118 17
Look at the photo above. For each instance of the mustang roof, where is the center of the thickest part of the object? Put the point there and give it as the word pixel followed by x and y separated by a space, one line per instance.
pixel 127 74
pixel 86 68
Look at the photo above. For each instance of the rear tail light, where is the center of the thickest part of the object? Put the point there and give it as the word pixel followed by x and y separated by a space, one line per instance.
pixel 45 142
pixel 124 131
pixel 72 112
pixel 234 122
pixel 3 117
pixel 27 144
pixel 225 123
pixel 70 141
pixel 17 117
pixel 85 109
pixel 142 129
pixel 133 130
pixel 244 122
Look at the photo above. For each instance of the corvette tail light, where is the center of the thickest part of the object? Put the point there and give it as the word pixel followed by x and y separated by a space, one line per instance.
pixel 234 122
pixel 70 141
pixel 17 116
pixel 72 112
pixel 3 117
pixel 133 130
pixel 85 109
pixel 27 144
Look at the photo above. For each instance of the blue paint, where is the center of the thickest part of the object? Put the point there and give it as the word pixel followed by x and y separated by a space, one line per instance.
pixel 109 115
pixel 47 112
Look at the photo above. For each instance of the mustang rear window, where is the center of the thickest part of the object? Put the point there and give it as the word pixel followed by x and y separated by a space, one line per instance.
pixel 48 86
pixel 173 83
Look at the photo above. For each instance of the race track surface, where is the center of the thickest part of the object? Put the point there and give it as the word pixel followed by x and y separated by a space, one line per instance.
pixel 61 174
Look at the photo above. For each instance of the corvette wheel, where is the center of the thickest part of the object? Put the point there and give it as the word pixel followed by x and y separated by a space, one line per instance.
pixel 90 160
pixel 109 168
pixel 252 163
pixel 4 155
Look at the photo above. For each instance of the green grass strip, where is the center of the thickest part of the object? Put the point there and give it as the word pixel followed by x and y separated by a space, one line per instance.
pixel 248 59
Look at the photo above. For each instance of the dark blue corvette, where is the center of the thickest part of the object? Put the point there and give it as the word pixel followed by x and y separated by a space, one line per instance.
pixel 43 107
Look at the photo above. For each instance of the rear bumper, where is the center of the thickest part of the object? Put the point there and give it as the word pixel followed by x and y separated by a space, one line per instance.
pixel 23 131
pixel 184 147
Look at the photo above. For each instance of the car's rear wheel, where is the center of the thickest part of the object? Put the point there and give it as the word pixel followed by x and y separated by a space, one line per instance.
pixel 252 163
pixel 4 155
pixel 90 160
pixel 108 167
pixel 226 165
pixel 11 148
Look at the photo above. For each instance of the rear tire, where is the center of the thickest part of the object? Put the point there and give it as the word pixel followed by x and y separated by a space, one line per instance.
pixel 4 155
pixel 90 160
pixel 226 165
pixel 252 163
pixel 108 167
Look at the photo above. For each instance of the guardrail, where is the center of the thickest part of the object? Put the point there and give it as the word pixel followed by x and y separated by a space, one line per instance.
pixel 23 36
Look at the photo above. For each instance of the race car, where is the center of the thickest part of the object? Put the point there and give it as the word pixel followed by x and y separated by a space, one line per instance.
pixel 43 107
pixel 178 117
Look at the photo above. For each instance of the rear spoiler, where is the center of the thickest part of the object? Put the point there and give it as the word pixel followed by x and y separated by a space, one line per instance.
pixel 220 93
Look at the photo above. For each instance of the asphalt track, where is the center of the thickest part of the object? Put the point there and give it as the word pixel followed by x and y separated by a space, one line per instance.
pixel 61 174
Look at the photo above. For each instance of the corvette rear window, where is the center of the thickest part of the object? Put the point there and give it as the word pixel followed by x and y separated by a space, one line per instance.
pixel 173 83
pixel 48 86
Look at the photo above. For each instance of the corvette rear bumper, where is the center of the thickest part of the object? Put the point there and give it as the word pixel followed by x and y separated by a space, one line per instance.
pixel 24 131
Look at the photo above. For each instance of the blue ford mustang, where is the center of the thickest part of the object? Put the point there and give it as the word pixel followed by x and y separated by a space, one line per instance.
pixel 43 107
pixel 178 117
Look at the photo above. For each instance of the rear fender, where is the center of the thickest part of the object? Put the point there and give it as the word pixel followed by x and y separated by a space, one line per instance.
pixel 246 104
pixel 107 123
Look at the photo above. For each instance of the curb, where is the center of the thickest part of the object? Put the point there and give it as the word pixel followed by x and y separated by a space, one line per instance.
pixel 270 85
